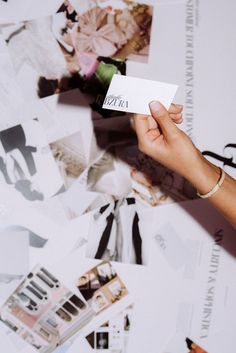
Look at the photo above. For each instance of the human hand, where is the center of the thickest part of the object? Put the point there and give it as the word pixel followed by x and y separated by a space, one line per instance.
pixel 161 139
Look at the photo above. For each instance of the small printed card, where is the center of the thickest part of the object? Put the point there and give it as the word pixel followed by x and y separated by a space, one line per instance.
pixel 133 95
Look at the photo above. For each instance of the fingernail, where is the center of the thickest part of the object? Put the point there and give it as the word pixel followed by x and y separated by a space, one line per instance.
pixel 179 116
pixel 155 106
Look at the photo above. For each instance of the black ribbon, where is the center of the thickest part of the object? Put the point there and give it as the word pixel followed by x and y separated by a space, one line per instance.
pixel 136 237
pixel 137 240
pixel 105 237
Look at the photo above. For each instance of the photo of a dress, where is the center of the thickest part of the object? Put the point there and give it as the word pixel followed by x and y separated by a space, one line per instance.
pixel 115 233
pixel 24 155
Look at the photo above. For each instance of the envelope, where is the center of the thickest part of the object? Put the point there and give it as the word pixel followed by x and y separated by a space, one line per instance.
pixel 133 95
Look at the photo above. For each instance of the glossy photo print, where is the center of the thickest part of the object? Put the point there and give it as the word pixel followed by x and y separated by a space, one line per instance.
pixel 101 287
pixel 113 335
pixel 102 164
pixel 43 312
pixel 78 50
pixel 121 28
pixel 68 153
pixel 124 170
pixel 13 245
pixel 118 233
pixel 24 155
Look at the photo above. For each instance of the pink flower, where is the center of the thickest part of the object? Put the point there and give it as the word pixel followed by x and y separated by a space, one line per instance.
pixel 93 36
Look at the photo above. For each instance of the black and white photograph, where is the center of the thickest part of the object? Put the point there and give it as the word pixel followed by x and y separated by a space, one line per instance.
pixel 10 92
pixel 102 340
pixel 118 233
pixel 14 246
pixel 113 335
pixel 35 240
pixel 29 236
pixel 24 155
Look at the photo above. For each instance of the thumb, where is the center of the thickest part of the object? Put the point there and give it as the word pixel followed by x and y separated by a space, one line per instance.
pixel 161 115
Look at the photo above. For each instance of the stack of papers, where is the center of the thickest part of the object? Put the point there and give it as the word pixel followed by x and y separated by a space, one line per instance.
pixel 103 249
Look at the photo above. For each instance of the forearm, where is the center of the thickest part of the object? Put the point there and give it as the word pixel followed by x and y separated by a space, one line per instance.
pixel 159 137
pixel 204 177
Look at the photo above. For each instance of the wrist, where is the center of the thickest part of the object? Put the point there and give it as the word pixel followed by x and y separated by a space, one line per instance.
pixel 204 175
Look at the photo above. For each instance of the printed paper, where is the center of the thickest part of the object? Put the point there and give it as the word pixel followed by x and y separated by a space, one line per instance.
pixel 46 314
pixel 118 232
pixel 113 335
pixel 24 157
pixel 133 95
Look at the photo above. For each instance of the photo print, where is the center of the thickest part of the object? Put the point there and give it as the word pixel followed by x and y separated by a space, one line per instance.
pixel 116 234
pixel 13 246
pixel 78 50
pixel 118 170
pixel 101 287
pixel 138 174
pixel 35 240
pixel 48 239
pixel 122 28
pixel 24 157
pixel 113 335
pixel 43 312
pixel 77 201
pixel 69 155
pixel 10 92
pixel 95 187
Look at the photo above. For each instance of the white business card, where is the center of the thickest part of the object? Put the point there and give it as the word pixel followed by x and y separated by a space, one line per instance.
pixel 133 95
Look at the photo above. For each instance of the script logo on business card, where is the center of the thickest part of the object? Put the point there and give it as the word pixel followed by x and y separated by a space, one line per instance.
pixel 133 95
pixel 115 101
